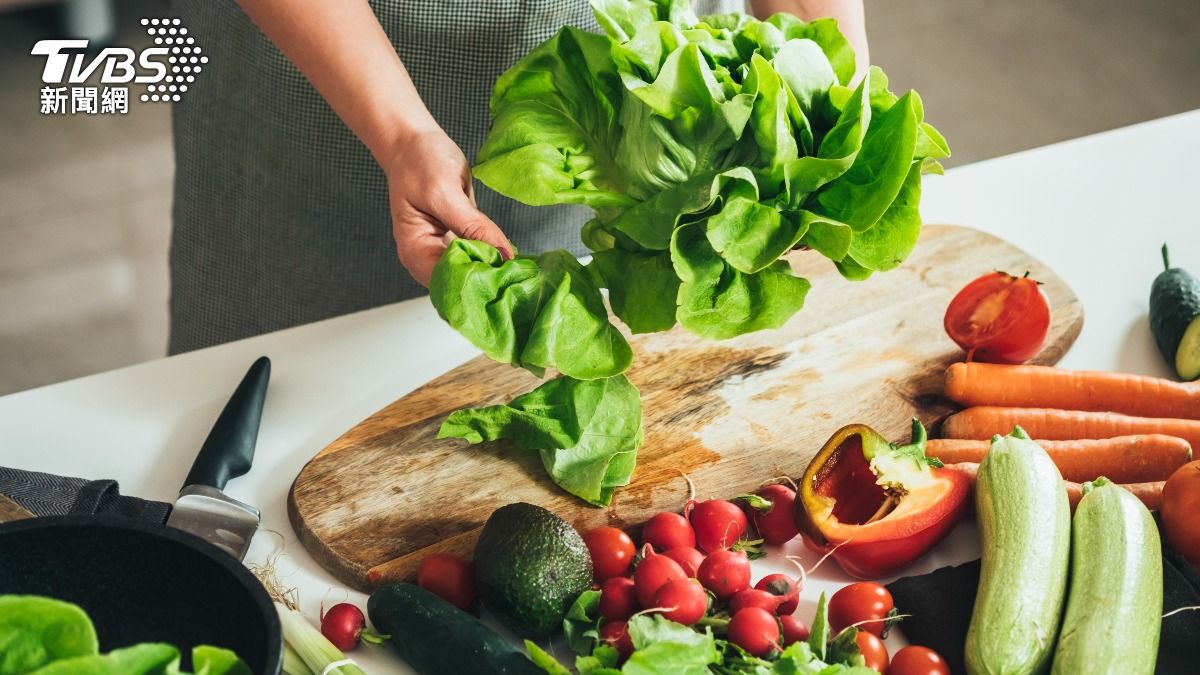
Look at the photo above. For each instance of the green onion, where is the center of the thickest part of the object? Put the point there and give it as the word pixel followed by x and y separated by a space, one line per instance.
pixel 313 649
pixel 293 664
pixel 305 650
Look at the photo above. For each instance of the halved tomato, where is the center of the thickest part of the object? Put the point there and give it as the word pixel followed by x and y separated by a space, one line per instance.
pixel 999 318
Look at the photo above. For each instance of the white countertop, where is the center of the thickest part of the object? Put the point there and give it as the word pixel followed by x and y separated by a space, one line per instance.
pixel 1095 209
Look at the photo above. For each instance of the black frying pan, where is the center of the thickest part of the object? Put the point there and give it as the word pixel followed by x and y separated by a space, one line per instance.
pixel 144 581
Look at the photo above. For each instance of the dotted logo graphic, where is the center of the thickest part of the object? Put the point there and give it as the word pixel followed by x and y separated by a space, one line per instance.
pixel 185 59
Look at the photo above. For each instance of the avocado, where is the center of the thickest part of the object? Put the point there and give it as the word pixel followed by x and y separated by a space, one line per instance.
pixel 530 565
pixel 1175 318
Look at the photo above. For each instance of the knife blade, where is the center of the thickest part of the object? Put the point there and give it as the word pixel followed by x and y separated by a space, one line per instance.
pixel 202 507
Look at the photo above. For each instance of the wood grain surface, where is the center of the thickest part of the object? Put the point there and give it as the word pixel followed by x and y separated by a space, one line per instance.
pixel 731 414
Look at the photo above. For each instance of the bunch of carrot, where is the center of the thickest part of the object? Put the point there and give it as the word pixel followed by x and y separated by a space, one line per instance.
pixel 1135 430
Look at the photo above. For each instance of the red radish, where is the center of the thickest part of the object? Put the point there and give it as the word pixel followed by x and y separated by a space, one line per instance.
pixel 665 531
pixel 616 635
pixel 783 586
pixel 344 625
pixel 652 572
pixel 725 573
pixel 688 558
pixel 449 577
pixel 718 524
pixel 794 629
pixel 773 513
pixel 754 630
pixel 754 597
pixel 682 601
pixel 618 599
pixel 611 550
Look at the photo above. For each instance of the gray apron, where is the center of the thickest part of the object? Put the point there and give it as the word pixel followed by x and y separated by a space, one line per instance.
pixel 281 214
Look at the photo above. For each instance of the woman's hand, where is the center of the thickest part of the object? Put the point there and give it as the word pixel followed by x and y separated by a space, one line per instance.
pixel 429 187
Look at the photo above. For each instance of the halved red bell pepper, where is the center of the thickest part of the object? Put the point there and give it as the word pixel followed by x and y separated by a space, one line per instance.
pixel 876 505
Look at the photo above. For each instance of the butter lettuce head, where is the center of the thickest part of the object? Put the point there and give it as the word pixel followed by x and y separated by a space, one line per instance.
pixel 709 147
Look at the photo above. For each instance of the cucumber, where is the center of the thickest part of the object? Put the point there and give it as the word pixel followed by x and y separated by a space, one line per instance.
pixel 1025 532
pixel 437 638
pixel 1114 605
pixel 1175 318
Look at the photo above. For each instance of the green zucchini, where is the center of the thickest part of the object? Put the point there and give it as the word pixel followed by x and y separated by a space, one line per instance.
pixel 437 638
pixel 1114 605
pixel 1025 532
pixel 1175 318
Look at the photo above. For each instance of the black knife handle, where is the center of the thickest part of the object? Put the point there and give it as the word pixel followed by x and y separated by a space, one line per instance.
pixel 229 449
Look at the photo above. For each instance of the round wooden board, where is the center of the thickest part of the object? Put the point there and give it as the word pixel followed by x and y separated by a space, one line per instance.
pixel 731 414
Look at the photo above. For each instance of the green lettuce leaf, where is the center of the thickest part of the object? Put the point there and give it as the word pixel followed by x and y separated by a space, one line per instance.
pixel 642 287
pixel 860 196
pixel 663 647
pixel 587 432
pixel 35 631
pixel 622 18
pixel 581 624
pixel 718 301
pixel 554 126
pixel 536 313
pixel 542 659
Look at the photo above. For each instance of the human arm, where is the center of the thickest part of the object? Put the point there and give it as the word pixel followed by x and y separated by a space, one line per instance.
pixel 850 15
pixel 342 50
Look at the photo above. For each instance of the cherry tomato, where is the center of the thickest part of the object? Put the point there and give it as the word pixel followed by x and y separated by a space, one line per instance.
pixel 1181 511
pixel 861 601
pixel 448 577
pixel 873 650
pixel 612 552
pixel 999 318
pixel 914 660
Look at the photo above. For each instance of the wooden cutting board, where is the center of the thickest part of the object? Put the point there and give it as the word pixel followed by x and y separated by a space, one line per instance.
pixel 732 414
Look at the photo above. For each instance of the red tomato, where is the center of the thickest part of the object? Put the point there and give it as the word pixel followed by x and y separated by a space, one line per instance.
pixel 999 318
pixel 861 601
pixel 873 651
pixel 448 577
pixel 1181 511
pixel 916 660
pixel 612 552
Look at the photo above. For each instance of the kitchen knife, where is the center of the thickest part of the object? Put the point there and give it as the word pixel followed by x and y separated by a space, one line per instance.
pixel 203 508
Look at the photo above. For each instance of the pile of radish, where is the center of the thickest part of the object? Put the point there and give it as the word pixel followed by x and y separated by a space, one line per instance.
pixel 695 568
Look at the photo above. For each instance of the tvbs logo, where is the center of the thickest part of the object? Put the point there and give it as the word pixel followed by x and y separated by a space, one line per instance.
pixel 166 68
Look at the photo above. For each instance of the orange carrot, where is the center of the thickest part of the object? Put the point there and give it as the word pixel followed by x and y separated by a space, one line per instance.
pixel 1124 459
pixel 1150 493
pixel 984 422
pixel 974 384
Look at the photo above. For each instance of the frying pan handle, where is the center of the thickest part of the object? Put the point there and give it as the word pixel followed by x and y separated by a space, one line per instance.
pixel 229 449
